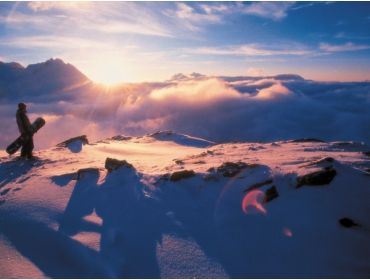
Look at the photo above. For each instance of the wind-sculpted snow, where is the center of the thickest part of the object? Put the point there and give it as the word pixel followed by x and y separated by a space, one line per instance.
pixel 216 108
pixel 180 139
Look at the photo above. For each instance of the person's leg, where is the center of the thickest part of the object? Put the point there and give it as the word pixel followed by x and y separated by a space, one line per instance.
pixel 30 147
pixel 23 150
pixel 24 146
pixel 27 147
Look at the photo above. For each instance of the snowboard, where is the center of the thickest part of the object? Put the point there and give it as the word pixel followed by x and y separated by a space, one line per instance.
pixel 14 147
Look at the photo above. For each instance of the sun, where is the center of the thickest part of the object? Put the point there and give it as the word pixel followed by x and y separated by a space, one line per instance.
pixel 108 74
pixel 107 70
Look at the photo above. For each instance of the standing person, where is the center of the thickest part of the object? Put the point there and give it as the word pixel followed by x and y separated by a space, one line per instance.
pixel 26 131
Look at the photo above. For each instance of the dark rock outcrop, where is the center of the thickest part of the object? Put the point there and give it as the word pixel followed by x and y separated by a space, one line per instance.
pixel 81 138
pixel 321 177
pixel 270 194
pixel 183 174
pixel 347 222
pixel 81 173
pixel 120 138
pixel 231 169
pixel 366 153
pixel 113 164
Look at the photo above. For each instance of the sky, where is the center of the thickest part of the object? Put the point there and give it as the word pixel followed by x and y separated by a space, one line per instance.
pixel 112 42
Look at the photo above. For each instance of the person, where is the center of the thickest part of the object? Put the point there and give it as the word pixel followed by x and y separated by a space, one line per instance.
pixel 26 130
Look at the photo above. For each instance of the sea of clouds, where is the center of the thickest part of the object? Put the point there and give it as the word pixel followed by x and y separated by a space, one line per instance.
pixel 220 109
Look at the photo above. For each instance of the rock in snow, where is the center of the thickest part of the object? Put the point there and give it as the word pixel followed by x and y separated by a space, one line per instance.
pixel 322 177
pixel 74 144
pixel 179 175
pixel 113 164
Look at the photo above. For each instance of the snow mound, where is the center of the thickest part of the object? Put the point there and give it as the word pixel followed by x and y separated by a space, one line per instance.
pixel 74 144
pixel 181 139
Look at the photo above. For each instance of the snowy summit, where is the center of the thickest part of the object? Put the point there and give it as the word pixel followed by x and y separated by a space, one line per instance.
pixel 168 205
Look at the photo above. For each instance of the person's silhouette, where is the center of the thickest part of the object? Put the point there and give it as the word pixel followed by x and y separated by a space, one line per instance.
pixel 26 130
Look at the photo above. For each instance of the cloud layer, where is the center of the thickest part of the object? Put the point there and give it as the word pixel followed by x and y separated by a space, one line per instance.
pixel 217 108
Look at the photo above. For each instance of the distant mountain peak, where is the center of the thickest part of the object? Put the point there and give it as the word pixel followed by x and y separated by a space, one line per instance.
pixel 289 77
pixel 13 65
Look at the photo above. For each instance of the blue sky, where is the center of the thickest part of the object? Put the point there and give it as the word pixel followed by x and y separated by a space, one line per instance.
pixel 146 41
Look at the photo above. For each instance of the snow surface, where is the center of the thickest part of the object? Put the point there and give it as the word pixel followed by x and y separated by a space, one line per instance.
pixel 64 215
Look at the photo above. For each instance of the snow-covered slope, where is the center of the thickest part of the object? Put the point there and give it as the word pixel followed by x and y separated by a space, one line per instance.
pixel 166 206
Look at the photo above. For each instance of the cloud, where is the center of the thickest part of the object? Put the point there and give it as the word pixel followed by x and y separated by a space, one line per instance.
pixel 83 17
pixel 219 109
pixel 271 10
pixel 209 9
pixel 303 6
pixel 343 48
pixel 253 50
pixel 54 42
pixel 192 19
pixel 54 5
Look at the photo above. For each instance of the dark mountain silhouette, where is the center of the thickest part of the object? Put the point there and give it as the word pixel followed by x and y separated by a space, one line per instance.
pixel 52 78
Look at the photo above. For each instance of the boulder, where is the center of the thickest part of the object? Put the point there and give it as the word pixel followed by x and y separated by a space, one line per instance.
pixel 230 169
pixel 321 177
pixel 183 174
pixel 81 173
pixel 347 222
pixel 179 161
pixel 120 138
pixel 113 164
pixel 81 138
pixel 270 194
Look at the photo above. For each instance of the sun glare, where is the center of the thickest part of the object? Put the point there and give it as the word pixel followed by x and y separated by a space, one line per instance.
pixel 107 71
pixel 107 75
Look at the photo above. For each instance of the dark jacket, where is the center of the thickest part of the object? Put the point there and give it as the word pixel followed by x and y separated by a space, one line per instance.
pixel 23 122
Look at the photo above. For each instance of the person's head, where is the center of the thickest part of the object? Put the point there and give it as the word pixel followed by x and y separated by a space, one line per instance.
pixel 22 106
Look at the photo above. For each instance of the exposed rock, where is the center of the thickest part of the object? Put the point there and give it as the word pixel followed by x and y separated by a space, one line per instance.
pixel 113 164
pixel 321 177
pixel 179 162
pixel 270 194
pixel 258 185
pixel 304 140
pixel 366 153
pixel 120 138
pixel 230 169
pixel 161 133
pixel 81 138
pixel 347 222
pixel 81 173
pixel 199 162
pixel 211 170
pixel 183 174
pixel 203 154
pixel 165 177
